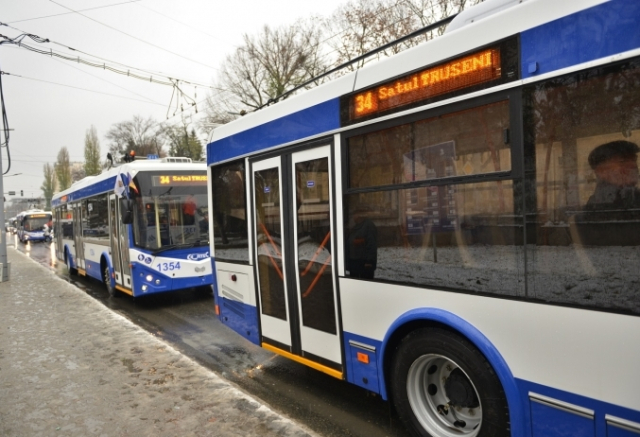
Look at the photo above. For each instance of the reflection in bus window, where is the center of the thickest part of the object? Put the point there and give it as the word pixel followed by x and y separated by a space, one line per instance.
pixel 462 236
pixel 464 143
pixel 95 218
pixel 229 209
pixel 587 223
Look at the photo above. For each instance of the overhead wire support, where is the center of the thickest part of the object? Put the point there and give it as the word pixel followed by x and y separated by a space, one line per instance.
pixel 383 47
pixel 18 41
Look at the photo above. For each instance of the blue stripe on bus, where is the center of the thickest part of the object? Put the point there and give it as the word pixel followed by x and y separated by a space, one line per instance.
pixel 593 33
pixel 140 272
pixel 100 187
pixel 240 317
pixel 317 119
pixel 549 421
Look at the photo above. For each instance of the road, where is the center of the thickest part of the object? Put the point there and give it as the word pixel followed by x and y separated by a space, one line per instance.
pixel 188 322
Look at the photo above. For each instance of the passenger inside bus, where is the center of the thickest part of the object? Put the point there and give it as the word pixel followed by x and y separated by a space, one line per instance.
pixel 189 208
pixel 362 246
pixel 615 165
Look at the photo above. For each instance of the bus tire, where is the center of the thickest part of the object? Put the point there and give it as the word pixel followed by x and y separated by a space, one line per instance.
pixel 106 277
pixel 71 270
pixel 442 386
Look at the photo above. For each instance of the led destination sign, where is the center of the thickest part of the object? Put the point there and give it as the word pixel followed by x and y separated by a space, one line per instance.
pixel 179 180
pixel 454 75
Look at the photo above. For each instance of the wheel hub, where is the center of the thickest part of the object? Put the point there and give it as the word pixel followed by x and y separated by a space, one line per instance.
pixel 460 390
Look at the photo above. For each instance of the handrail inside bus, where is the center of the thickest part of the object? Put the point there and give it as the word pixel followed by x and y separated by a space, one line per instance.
pixel 317 278
pixel 315 255
pixel 275 247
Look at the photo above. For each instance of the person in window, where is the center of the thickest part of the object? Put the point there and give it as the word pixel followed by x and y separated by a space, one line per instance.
pixel 189 208
pixel 362 246
pixel 615 165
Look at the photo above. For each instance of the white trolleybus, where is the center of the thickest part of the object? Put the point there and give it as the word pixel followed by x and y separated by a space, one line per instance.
pixel 456 228
pixel 141 227
pixel 33 225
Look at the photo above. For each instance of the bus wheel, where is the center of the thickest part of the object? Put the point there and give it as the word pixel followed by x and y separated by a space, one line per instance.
pixel 106 277
pixel 71 270
pixel 442 386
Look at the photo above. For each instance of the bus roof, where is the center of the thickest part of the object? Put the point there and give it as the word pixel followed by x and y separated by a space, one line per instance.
pixel 316 112
pixel 31 212
pixel 106 179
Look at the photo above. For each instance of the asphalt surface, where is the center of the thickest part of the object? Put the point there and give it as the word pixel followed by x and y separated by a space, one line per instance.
pixel 69 366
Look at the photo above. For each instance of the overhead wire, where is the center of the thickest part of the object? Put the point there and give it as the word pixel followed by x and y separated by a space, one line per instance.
pixel 80 88
pixel 361 57
pixel 140 5
pixel 107 81
pixel 81 10
pixel 130 71
pixel 136 38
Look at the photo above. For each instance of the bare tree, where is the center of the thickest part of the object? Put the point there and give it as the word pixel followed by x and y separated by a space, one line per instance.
pixel 143 136
pixel 277 60
pixel 91 152
pixel 63 169
pixel 355 29
pixel 264 67
pixel 364 25
pixel 49 184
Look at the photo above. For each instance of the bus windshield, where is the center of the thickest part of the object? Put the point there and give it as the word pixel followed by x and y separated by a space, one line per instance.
pixel 171 210
pixel 35 223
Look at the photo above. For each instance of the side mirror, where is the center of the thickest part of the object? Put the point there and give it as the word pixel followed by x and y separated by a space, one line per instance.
pixel 126 210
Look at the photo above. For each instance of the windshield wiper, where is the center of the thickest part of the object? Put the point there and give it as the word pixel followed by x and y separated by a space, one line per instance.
pixel 200 242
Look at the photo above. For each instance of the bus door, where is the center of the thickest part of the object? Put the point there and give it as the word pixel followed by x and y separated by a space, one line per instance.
pixel 269 250
pixel 57 230
pixel 77 235
pixel 292 197
pixel 119 242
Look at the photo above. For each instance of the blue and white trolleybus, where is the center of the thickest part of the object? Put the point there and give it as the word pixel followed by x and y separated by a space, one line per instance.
pixel 141 227
pixel 456 227
pixel 32 225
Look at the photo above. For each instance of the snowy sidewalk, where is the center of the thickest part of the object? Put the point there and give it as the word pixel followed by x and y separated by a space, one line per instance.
pixel 71 367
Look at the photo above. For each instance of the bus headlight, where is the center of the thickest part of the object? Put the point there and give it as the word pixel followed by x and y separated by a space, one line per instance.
pixel 144 288
pixel 157 281
pixel 149 278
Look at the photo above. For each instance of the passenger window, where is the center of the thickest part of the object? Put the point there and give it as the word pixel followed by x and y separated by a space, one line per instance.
pixel 583 133
pixel 456 236
pixel 463 143
pixel 230 213
pixel 95 223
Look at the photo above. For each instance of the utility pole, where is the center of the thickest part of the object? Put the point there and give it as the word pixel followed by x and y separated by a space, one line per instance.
pixel 4 263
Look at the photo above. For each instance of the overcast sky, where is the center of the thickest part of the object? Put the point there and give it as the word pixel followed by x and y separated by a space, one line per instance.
pixel 51 103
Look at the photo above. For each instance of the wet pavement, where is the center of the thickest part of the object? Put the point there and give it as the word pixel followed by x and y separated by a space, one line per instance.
pixel 69 366
pixel 187 321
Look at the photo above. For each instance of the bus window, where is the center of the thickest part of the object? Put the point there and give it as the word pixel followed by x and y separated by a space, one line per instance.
pixel 463 143
pixel 587 203
pixel 464 235
pixel 229 213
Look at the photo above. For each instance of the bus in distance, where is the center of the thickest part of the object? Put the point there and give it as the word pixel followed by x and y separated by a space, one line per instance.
pixel 455 228
pixel 33 225
pixel 140 228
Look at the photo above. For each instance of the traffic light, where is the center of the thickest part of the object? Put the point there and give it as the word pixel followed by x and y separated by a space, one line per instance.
pixel 22 193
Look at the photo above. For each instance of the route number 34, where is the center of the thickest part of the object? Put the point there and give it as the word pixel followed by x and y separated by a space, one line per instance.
pixel 167 267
